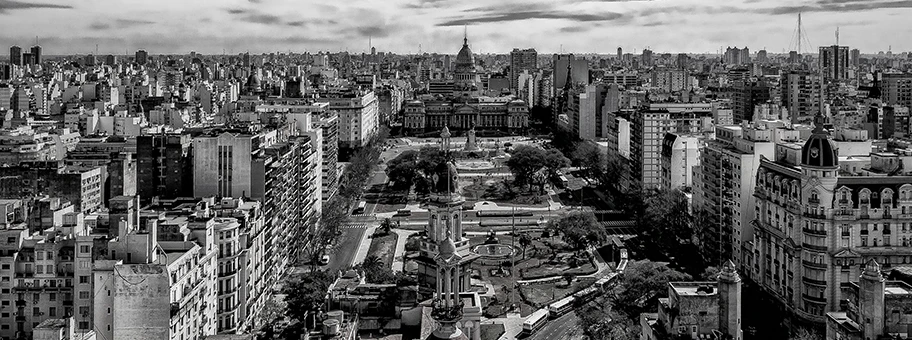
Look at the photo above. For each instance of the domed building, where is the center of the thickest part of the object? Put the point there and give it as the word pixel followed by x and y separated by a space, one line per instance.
pixel 818 221
pixel 465 74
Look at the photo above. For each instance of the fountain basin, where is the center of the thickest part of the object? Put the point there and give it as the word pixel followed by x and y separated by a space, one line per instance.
pixel 494 251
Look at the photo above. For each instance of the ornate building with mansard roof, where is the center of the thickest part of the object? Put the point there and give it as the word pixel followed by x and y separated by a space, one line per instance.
pixel 817 223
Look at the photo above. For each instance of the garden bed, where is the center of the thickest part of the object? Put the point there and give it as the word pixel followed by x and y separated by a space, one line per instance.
pixel 540 295
pixel 383 247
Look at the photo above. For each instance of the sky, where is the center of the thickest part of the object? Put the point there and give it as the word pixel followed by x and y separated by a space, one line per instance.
pixel 410 26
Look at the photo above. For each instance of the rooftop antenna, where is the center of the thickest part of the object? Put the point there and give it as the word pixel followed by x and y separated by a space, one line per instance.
pixel 837 35
pixel 799 32
pixel 465 34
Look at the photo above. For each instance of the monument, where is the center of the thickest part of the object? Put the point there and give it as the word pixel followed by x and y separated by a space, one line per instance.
pixel 471 143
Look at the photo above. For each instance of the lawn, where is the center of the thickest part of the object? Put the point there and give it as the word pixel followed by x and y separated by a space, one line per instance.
pixel 492 331
pixel 498 192
pixel 383 247
pixel 540 295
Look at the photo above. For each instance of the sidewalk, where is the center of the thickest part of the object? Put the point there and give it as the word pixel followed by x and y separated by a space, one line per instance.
pixel 399 256
pixel 364 246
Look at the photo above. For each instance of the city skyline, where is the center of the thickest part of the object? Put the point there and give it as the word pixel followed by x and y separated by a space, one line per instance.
pixel 283 25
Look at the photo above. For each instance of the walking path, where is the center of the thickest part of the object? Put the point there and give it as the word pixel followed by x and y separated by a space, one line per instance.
pixel 364 246
pixel 399 256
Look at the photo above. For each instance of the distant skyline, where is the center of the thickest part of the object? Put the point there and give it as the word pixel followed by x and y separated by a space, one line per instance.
pixel 400 26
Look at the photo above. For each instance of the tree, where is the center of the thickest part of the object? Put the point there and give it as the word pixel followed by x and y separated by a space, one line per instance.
pixel 524 162
pixel 386 226
pixel 403 169
pixel 580 230
pixel 569 278
pixel 601 321
pixel 710 273
pixel 307 294
pixel 591 161
pixel 640 284
pixel 554 160
pixel 524 241
pixel 375 271
pixel 806 334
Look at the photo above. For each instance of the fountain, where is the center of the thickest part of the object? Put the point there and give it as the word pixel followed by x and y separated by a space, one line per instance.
pixel 494 251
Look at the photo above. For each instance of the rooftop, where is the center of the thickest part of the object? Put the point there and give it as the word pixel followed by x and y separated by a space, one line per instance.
pixel 52 323
pixel 694 288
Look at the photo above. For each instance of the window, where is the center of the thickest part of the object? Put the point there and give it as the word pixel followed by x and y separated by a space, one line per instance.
pixel 83 279
pixel 52 311
pixel 83 295
pixel 84 310
pixel 52 296
pixel 84 249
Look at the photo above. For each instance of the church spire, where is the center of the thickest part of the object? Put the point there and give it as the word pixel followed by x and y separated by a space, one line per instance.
pixel 465 35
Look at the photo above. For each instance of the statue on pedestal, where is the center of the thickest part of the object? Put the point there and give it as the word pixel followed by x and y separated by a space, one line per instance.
pixel 471 143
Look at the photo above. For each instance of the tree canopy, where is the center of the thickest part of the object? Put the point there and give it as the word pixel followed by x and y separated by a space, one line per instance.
pixel 525 161
pixel 640 283
pixel 307 293
pixel 579 229
pixel 416 168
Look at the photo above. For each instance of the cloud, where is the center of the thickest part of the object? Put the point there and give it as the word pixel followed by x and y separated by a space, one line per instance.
pixel 611 0
pixel 528 15
pixel 9 5
pixel 127 23
pixel 300 23
pixel 256 17
pixel 840 6
pixel 427 4
pixel 98 26
pixel 574 29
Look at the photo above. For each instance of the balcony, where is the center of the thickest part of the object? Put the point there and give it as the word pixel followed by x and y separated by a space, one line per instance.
pixel 814 215
pixel 67 302
pixel 843 201
pixel 814 247
pixel 814 264
pixel 814 299
pixel 814 232
pixel 20 303
pixel 814 282
pixel 814 200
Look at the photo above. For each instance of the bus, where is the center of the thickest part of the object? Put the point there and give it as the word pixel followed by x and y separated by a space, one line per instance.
pixel 403 212
pixel 502 213
pixel 563 181
pixel 585 295
pixel 561 307
pixel 360 208
pixel 534 322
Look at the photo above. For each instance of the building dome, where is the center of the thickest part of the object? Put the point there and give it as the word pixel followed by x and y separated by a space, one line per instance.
pixel 465 58
pixel 819 150
pixel 253 81
pixel 447 247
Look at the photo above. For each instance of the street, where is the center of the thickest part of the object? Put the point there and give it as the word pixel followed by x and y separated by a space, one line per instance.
pixel 562 328
pixel 344 251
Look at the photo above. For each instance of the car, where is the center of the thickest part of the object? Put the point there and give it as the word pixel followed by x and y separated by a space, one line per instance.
pixel 324 260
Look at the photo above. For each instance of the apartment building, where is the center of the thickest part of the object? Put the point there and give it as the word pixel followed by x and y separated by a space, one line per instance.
pixel 822 215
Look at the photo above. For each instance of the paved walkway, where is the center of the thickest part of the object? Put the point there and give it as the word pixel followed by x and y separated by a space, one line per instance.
pixel 399 256
pixel 364 246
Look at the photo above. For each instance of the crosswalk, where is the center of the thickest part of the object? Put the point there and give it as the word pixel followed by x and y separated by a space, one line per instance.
pixel 355 226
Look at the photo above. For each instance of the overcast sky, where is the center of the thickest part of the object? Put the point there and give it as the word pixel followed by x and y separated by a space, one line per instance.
pixel 585 26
